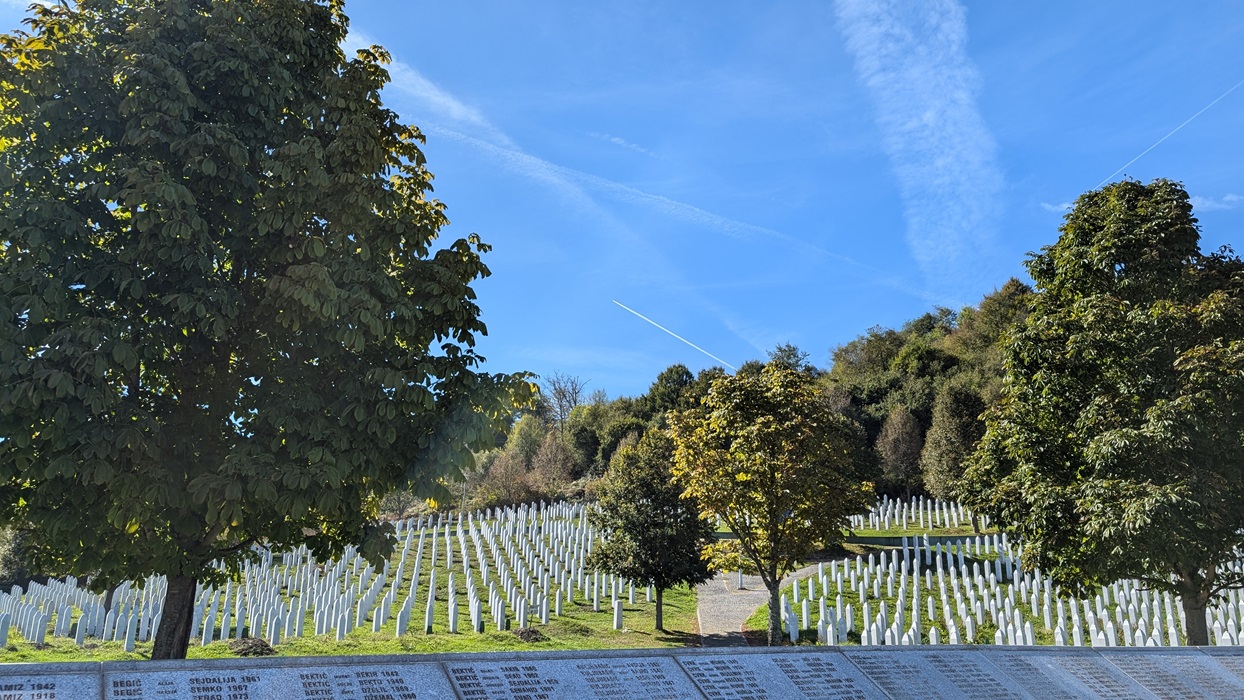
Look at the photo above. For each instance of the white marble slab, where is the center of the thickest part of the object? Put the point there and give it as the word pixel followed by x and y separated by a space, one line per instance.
pixel 1066 674
pixel 920 673
pixel 851 673
pixel 814 675
pixel 303 682
pixel 607 678
pixel 1176 674
pixel 30 682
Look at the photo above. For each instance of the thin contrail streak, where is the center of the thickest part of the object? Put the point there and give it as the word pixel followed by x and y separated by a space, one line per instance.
pixel 1172 133
pixel 688 342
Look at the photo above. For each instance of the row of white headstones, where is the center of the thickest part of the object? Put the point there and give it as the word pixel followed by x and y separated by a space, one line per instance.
pixel 502 568
pixel 965 582
pixel 916 513
pixel 517 566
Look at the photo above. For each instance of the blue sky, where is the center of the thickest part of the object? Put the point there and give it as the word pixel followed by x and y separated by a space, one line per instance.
pixel 747 174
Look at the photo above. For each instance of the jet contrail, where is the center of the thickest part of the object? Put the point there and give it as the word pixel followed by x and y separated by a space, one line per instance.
pixel 1172 133
pixel 688 342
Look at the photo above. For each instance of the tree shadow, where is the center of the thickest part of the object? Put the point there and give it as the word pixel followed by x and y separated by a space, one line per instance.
pixel 686 639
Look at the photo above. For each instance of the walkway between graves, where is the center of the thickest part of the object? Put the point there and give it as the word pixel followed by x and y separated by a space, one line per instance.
pixel 723 608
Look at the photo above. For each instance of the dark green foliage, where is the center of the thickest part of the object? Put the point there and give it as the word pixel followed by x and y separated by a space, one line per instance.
pixel 222 318
pixel 585 445
pixel 789 355
pixel 655 537
pixel 884 371
pixel 13 556
pixel 869 354
pixel 670 392
pixel 951 440
pixel 613 435
pixel 899 446
pixel 1116 450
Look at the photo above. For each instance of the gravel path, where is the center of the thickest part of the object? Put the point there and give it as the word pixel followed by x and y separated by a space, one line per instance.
pixel 722 608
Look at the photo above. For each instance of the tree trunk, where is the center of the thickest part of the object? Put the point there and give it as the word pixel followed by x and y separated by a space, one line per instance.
pixel 775 613
pixel 1196 631
pixel 660 612
pixel 976 524
pixel 172 638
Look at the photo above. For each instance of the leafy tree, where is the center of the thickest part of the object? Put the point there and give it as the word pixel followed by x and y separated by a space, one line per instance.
pixel 669 392
pixel 655 536
pixel 790 355
pixel 552 466
pixel 704 383
pixel 1116 449
pixel 525 439
pixel 222 319
pixel 957 429
pixel 980 329
pixel 584 445
pixel 868 354
pixel 767 454
pixel 899 447
pixel 13 557
pixel 622 427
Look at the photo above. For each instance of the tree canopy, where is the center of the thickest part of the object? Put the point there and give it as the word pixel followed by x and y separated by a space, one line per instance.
pixel 653 535
pixel 224 320
pixel 766 453
pixel 894 378
pixel 1116 449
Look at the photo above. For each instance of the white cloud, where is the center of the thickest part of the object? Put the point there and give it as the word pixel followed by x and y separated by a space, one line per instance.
pixel 434 101
pixel 1057 208
pixel 619 141
pixel 440 113
pixel 1228 201
pixel 912 58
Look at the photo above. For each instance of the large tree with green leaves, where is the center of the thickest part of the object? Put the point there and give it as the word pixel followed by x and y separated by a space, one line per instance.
pixel 1116 450
pixel 224 322
pixel 766 453
pixel 957 429
pixel 899 445
pixel 654 536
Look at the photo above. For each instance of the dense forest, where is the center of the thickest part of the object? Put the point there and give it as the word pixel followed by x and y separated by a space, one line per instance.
pixel 918 391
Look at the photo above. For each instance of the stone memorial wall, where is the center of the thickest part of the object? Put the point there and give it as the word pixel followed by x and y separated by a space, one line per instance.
pixel 853 673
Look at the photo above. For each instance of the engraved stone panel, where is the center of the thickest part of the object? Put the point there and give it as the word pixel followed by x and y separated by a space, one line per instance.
pixel 1176 674
pixel 615 678
pixel 327 682
pixel 814 675
pixel 1231 660
pixel 1066 675
pixel 26 683
pixel 915 673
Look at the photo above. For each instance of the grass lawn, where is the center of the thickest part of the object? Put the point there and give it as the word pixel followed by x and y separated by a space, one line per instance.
pixel 577 628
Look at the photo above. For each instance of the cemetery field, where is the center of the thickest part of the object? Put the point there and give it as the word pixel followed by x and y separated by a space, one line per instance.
pixel 486 581
pixel 916 517
pixel 576 629
pixel 882 595
pixel 974 591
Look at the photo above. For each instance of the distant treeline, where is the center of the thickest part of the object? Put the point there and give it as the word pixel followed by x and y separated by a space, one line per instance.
pixel 918 391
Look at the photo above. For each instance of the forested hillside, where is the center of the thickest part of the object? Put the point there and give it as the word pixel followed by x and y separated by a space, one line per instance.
pixel 918 391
